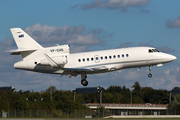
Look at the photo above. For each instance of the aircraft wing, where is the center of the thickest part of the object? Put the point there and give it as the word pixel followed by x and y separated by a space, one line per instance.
pixel 95 68
pixel 78 69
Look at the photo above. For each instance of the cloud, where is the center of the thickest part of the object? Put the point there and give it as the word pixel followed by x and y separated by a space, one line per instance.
pixel 125 45
pixel 63 35
pixel 101 32
pixel 131 74
pixel 6 60
pixel 166 49
pixel 162 79
pixel 172 77
pixel 145 44
pixel 96 31
pixel 173 24
pixel 113 4
pixel 78 48
pixel 6 45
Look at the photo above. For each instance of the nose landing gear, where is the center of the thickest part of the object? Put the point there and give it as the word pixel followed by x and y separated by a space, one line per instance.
pixel 149 75
pixel 84 82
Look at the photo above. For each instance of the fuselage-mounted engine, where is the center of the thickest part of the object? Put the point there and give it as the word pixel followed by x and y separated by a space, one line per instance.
pixel 60 60
pixel 56 55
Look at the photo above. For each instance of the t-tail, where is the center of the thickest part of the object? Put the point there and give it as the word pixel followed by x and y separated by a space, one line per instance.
pixel 26 45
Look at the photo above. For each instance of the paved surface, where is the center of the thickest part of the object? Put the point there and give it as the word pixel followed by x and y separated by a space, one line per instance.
pixel 145 116
pixel 142 117
pixel 94 119
pixel 88 118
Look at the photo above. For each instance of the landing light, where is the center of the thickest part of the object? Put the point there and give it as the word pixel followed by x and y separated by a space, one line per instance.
pixel 159 65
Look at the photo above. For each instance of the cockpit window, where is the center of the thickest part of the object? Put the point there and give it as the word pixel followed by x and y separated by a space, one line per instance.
pixel 153 50
pixel 157 50
pixel 150 51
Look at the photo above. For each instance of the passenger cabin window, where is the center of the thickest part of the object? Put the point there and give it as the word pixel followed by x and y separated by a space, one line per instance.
pixel 114 56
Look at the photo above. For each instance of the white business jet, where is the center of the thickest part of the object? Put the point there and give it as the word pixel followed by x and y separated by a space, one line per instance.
pixel 58 60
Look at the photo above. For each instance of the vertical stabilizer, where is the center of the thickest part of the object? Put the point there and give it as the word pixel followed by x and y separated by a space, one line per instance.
pixel 23 40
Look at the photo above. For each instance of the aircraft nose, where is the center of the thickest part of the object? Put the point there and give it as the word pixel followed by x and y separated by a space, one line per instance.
pixel 170 57
pixel 173 57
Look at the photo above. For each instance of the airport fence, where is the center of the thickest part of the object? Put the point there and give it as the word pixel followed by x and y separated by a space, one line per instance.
pixel 82 113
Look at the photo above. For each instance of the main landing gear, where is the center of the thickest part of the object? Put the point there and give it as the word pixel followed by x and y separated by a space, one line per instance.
pixel 149 75
pixel 84 82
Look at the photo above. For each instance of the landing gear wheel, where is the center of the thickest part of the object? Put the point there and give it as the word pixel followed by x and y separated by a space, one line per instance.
pixel 84 82
pixel 149 75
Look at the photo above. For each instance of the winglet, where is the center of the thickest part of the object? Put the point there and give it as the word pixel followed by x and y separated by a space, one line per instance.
pixel 52 62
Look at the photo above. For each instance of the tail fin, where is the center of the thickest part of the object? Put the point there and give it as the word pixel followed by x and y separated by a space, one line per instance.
pixel 23 40
pixel 26 45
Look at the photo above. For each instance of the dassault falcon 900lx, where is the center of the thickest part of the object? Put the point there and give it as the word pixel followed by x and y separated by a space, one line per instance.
pixel 58 60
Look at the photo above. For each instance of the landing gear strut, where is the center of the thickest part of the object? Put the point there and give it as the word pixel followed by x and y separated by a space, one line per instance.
pixel 149 75
pixel 84 82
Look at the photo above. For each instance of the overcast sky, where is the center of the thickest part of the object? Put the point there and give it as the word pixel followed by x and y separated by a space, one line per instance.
pixel 89 25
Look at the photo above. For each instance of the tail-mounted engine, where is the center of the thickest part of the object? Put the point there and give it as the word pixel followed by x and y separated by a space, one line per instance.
pixel 55 56
pixel 60 60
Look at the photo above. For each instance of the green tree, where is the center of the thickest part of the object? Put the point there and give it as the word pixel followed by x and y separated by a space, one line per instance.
pixel 4 102
pixel 176 88
pixel 22 105
pixel 137 89
pixel 51 89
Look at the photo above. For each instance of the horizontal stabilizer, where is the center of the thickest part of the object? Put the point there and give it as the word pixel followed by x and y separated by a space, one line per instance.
pixel 17 51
